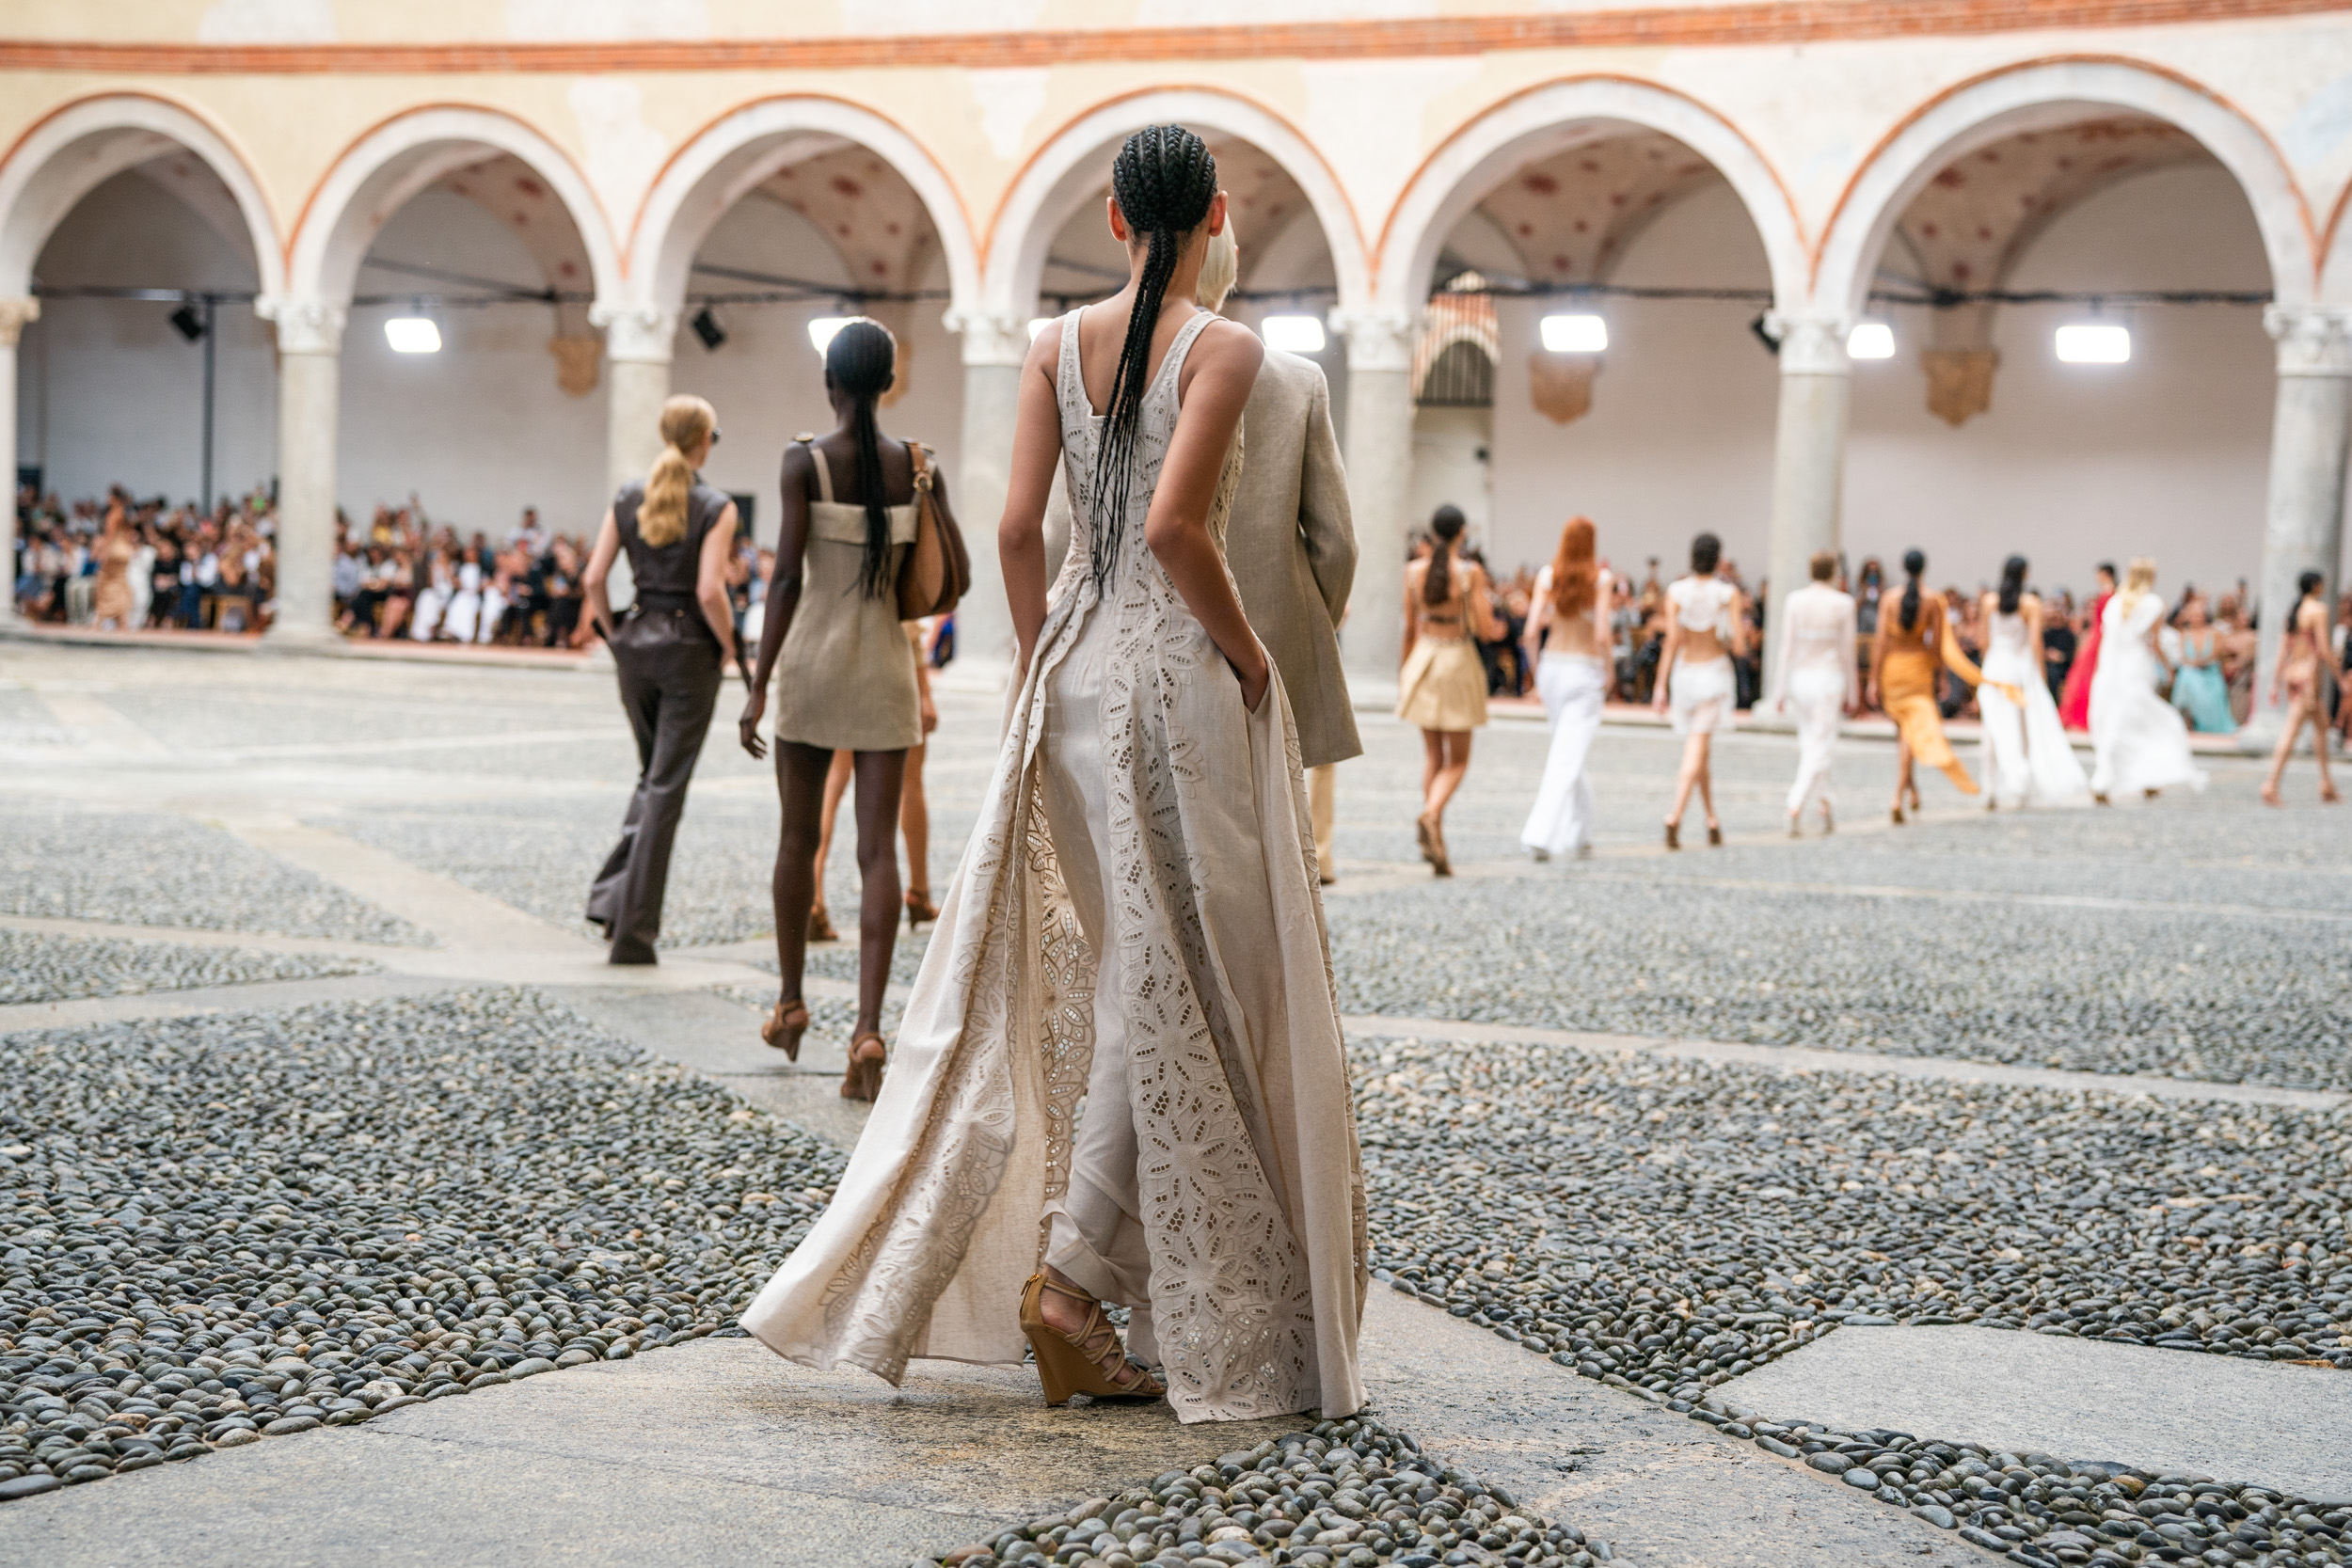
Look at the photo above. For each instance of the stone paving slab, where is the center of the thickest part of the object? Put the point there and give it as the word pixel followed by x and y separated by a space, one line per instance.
pixel 2278 1425
pixel 1662 1490
pixel 713 1452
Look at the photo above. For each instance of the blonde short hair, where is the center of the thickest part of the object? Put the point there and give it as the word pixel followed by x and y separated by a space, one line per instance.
pixel 1219 268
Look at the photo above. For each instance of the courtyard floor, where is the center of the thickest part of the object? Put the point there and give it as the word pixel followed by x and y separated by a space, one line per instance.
pixel 1914 1195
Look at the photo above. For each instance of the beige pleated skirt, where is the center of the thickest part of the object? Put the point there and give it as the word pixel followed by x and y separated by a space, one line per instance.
pixel 1443 686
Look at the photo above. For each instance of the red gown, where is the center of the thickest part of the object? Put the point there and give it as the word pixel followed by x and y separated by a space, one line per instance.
pixel 2075 698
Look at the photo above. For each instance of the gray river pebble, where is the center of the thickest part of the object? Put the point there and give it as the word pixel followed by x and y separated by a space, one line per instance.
pixel 39 967
pixel 138 869
pixel 221 1228
pixel 1352 1493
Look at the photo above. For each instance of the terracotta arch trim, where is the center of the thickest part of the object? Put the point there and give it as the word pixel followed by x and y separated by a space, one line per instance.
pixel 318 187
pixel 2302 205
pixel 1743 22
pixel 1420 170
pixel 1069 123
pixel 195 112
pixel 963 212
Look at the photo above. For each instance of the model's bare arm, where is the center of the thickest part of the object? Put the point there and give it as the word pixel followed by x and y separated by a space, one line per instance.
pixel 1217 375
pixel 711 584
pixel 784 590
pixel 1666 654
pixel 600 557
pixel 1035 448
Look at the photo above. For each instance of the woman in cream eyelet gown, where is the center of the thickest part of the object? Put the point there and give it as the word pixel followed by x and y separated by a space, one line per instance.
pixel 1136 927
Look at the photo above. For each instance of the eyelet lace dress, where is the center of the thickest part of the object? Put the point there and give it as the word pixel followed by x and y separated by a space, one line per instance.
pixel 1145 835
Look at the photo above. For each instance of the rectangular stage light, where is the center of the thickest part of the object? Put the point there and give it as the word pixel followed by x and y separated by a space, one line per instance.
pixel 413 335
pixel 1292 333
pixel 1575 334
pixel 2094 343
pixel 1870 340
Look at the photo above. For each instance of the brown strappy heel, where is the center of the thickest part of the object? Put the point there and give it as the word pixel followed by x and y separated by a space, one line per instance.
pixel 785 1027
pixel 1067 1366
pixel 866 1069
pixel 920 909
pixel 820 925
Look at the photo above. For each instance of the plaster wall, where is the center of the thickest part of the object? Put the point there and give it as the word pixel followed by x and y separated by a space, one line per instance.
pixel 107 391
pixel 2167 456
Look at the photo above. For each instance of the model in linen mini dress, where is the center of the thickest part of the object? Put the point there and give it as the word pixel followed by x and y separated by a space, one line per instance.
pixel 845 677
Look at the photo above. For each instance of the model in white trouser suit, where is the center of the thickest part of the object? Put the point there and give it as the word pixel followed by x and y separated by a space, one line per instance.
pixel 1819 678
pixel 1572 677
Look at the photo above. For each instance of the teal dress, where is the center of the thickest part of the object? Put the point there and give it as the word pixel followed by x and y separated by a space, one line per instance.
pixel 2198 689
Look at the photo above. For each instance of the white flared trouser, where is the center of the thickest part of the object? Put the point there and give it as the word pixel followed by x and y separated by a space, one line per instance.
pixel 1572 687
pixel 1816 696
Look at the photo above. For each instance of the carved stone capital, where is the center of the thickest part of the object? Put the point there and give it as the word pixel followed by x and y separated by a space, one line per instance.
pixel 2313 339
pixel 303 325
pixel 1809 344
pixel 990 338
pixel 642 333
pixel 1377 339
pixel 14 314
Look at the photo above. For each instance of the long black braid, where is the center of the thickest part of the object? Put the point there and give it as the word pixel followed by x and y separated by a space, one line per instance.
pixel 1914 567
pixel 1164 180
pixel 862 360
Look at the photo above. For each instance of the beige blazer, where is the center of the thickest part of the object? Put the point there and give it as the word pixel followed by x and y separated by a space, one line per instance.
pixel 1291 546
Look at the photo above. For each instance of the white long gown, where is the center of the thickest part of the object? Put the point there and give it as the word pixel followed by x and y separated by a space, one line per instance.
pixel 2138 740
pixel 1818 677
pixel 2026 758
pixel 1573 688
pixel 1213 999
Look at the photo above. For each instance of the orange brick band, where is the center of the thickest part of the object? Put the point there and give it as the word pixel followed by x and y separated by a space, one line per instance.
pixel 1770 22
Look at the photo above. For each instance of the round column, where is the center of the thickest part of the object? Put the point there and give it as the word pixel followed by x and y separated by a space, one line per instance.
pixel 14 314
pixel 638 340
pixel 309 385
pixel 1809 456
pixel 2310 428
pixel 1379 460
pixel 994 348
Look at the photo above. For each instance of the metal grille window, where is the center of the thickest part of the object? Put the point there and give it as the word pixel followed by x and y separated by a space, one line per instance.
pixel 1461 376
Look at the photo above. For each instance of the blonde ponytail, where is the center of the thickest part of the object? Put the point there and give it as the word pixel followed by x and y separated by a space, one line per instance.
pixel 686 421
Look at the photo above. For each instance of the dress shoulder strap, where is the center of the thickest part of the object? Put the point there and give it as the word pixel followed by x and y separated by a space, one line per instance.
pixel 824 469
pixel 1173 367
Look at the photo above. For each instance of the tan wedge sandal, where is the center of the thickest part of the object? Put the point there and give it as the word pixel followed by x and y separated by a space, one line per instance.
pixel 785 1027
pixel 867 1053
pixel 1066 1366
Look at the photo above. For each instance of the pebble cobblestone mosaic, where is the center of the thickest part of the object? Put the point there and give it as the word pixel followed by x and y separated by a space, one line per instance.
pixel 221 1228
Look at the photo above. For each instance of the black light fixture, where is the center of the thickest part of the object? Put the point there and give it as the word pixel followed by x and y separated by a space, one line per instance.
pixel 706 327
pixel 189 322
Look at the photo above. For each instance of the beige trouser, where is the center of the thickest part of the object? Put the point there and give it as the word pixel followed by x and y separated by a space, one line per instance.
pixel 1094 1230
pixel 1322 803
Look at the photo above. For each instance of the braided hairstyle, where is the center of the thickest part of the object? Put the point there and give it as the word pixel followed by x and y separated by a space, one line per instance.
pixel 862 360
pixel 2012 583
pixel 1914 567
pixel 1446 524
pixel 1163 180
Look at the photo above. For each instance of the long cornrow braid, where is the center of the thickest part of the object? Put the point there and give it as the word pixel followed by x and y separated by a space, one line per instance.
pixel 862 360
pixel 1164 180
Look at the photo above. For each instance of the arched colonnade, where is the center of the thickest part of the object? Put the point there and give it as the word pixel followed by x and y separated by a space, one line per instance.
pixel 1382 262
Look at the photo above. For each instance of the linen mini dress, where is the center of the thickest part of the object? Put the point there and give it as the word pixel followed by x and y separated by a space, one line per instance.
pixel 845 681
pixel 1443 683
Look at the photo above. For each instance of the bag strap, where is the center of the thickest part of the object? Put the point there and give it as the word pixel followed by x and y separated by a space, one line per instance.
pixel 922 472
pixel 824 469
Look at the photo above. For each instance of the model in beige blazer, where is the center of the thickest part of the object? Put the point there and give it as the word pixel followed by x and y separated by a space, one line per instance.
pixel 1292 547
